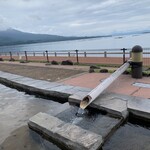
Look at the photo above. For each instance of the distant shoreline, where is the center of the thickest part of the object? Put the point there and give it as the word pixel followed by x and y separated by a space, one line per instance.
pixel 37 42
pixel 12 37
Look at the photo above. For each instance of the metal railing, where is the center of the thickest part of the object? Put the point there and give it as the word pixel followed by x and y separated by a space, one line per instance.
pixel 96 53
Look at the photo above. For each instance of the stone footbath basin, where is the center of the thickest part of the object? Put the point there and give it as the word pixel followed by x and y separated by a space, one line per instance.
pixel 91 130
pixel 134 133
pixel 95 122
pixel 131 135
pixel 24 138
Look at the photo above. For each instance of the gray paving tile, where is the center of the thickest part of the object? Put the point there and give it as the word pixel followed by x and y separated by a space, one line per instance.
pixel 139 107
pixel 143 85
pixel 9 76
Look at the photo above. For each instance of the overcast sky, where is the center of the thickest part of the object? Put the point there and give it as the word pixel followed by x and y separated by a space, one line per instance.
pixel 75 17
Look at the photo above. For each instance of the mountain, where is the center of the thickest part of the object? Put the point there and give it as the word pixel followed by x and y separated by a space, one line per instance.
pixel 13 37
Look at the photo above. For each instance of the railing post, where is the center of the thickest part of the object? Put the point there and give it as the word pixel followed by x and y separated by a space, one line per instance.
pixel 105 54
pixel 130 54
pixel 26 55
pixel 77 56
pixel 124 53
pixel 84 54
pixel 47 56
pixel 10 55
pixel 68 54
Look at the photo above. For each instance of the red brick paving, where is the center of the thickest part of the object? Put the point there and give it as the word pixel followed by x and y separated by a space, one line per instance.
pixel 88 80
pixel 123 85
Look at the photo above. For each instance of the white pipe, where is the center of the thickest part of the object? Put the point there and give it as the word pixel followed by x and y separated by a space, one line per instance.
pixel 90 97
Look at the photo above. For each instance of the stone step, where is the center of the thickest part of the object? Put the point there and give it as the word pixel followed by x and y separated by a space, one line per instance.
pixel 65 134
pixel 112 103
pixel 139 107
pixel 53 90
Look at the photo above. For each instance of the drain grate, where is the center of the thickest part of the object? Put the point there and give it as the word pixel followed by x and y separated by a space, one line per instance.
pixel 143 85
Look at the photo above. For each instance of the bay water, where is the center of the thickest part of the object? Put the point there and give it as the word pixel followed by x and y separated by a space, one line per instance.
pixel 114 42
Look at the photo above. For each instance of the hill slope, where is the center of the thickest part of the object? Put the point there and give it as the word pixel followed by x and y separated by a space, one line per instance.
pixel 13 37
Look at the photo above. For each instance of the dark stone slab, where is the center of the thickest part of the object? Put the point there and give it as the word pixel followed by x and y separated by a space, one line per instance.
pixel 93 121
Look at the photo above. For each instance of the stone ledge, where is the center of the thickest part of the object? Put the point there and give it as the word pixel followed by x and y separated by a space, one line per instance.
pixel 114 104
pixel 69 135
pixel 139 107
pixel 56 91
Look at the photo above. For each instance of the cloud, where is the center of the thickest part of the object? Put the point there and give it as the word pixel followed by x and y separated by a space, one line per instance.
pixel 72 17
pixel 4 23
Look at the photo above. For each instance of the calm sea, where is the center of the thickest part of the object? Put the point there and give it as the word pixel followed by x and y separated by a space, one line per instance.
pixel 115 42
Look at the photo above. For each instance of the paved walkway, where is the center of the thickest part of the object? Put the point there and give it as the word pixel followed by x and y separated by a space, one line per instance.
pixel 123 85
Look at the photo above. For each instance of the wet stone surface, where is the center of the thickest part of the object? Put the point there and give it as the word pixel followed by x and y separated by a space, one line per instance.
pixel 25 139
pixel 112 103
pixel 15 110
pixel 129 137
pixel 92 121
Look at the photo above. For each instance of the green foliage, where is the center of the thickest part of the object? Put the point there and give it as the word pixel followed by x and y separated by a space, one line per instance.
pixel 146 73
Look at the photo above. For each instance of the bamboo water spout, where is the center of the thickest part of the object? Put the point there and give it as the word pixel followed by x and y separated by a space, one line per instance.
pixel 91 96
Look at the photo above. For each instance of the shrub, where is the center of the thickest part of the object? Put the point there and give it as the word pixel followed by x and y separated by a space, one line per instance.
pixel 1 59
pixel 146 73
pixel 103 71
pixel 11 59
pixel 23 61
pixel 91 70
pixel 94 67
pixel 54 62
pixel 67 62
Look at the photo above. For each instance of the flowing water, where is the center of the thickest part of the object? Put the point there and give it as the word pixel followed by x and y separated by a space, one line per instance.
pixel 91 120
pixel 81 112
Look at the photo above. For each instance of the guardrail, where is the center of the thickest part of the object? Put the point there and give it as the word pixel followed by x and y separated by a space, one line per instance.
pixel 77 55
